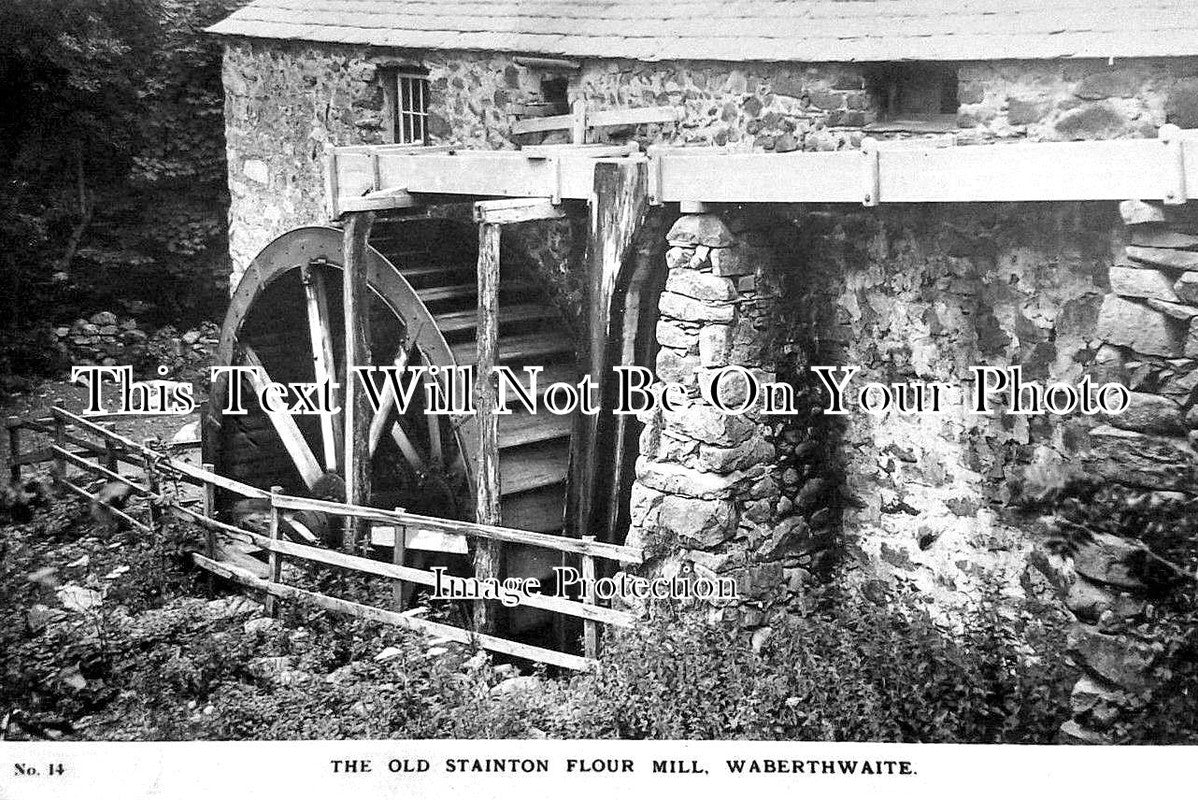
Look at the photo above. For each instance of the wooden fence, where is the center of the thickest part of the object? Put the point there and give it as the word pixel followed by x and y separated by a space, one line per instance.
pixel 101 456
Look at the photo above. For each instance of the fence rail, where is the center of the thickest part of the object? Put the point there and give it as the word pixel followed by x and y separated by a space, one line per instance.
pixel 113 449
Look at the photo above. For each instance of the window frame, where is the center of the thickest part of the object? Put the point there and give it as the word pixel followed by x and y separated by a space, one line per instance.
pixel 406 93
pixel 887 82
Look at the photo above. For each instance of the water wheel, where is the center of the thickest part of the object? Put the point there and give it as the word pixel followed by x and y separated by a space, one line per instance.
pixel 286 317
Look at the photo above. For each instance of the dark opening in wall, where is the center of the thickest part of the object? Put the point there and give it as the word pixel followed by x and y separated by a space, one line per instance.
pixel 406 98
pixel 554 91
pixel 914 96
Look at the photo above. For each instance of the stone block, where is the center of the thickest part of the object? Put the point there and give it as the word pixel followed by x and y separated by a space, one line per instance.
pixel 788 538
pixel 1112 561
pixel 740 259
pixel 696 229
pixel 676 479
pixel 729 459
pixel 710 425
pixel 1102 85
pixel 700 524
pixel 1091 121
pixel 1146 283
pixel 690 310
pixel 1138 212
pixel 1150 413
pixel 1186 287
pixel 1137 459
pixel 713 289
pixel 674 367
pixel 1026 112
pixel 673 334
pixel 1129 324
pixel 1178 311
pixel 715 345
pixel 1163 258
pixel 1120 660
pixel 1162 236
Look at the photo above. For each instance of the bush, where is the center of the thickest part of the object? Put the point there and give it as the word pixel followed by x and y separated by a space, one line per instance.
pixel 849 671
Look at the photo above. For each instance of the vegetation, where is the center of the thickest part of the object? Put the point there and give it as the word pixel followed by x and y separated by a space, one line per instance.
pixel 112 152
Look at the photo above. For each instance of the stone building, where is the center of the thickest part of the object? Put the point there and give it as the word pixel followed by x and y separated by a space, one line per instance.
pixel 906 292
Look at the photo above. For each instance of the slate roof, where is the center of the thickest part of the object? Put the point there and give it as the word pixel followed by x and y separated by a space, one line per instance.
pixel 741 30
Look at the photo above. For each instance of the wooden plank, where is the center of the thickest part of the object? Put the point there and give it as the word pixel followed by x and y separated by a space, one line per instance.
pixel 399 572
pixel 523 209
pixel 13 424
pixel 618 210
pixel 320 336
pixel 488 554
pixel 426 541
pixel 613 552
pixel 284 424
pixel 378 421
pixel 274 566
pixel 400 591
pixel 104 472
pixel 590 632
pixel 116 512
pixel 356 305
pixel 410 622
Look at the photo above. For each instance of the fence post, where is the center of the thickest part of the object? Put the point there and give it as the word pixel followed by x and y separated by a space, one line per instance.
pixel 153 484
pixel 590 628
pixel 14 450
pixel 399 590
pixel 208 509
pixel 274 567
pixel 60 439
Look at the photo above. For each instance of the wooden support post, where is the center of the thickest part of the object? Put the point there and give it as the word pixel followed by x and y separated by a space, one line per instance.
pixel 356 306
pixel 399 589
pixel 273 566
pixel 60 439
pixel 618 207
pixel 590 628
pixel 578 130
pixel 209 511
pixel 153 483
pixel 13 424
pixel 110 459
pixel 487 553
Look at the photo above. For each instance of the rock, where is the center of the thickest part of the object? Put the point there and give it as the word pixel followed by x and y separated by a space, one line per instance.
pixel 1073 733
pixel 191 337
pixel 1150 413
pixel 1186 287
pixel 1160 236
pixel 1138 212
pixel 1138 459
pixel 521 684
pixel 1112 561
pixel 690 310
pixel 1101 85
pixel 703 286
pixel 676 479
pixel 1026 112
pixel 759 581
pixel 1147 283
pixel 790 537
pixel 1120 660
pixel 698 524
pixel 1129 324
pixel 728 459
pixel 103 318
pixel 271 667
pixel 78 599
pixel 760 637
pixel 673 367
pixel 259 624
pixel 709 425
pixel 740 259
pixel 672 334
pixel 1175 310
pixel 1090 121
pixel 715 345
pixel 1162 257
pixel 696 229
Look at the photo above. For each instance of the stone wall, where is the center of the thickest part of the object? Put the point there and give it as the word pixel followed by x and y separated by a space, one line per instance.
pixel 1120 584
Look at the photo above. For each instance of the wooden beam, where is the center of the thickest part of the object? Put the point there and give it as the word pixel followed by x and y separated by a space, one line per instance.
pixel 522 209
pixel 360 611
pixel 488 555
pixel 1147 169
pixel 356 307
pixel 284 424
pixel 320 335
pixel 618 209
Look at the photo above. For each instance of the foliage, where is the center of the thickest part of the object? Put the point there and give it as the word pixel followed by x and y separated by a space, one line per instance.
pixel 112 148
pixel 849 671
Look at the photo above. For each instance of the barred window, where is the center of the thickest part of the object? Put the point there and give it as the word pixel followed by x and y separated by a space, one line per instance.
pixel 408 94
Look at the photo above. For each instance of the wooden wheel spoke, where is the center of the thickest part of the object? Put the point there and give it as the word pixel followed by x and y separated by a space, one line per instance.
pixel 378 423
pixel 284 424
pixel 320 332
